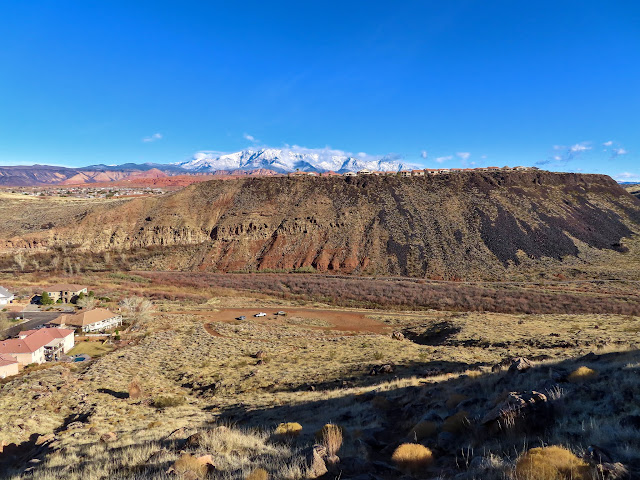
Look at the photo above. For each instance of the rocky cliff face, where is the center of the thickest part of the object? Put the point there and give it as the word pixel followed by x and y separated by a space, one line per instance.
pixel 463 224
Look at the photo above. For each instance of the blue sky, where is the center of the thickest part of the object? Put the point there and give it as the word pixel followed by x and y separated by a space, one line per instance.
pixel 459 82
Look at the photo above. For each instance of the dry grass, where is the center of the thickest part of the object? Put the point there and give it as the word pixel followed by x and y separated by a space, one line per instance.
pixel 412 457
pixel 217 376
pixel 288 430
pixel 93 349
pixel 258 474
pixel 331 437
pixel 187 464
pixel 551 463
pixel 582 374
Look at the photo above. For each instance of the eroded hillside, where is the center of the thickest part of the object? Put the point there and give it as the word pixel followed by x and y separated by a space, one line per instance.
pixel 450 226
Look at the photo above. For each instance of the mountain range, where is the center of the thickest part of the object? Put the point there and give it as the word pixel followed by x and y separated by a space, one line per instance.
pixel 262 161
pixel 283 160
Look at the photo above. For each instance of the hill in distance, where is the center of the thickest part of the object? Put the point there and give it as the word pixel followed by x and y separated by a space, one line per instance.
pixel 466 225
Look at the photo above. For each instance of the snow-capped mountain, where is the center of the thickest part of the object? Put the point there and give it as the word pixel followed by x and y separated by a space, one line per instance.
pixel 290 159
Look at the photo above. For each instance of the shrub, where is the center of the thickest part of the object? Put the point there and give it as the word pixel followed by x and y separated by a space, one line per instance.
pixel 289 429
pixel 167 401
pixel 331 437
pixel 258 474
pixel 456 423
pixel 412 457
pixel 455 399
pixel 551 463
pixel 423 430
pixel 45 299
pixel 135 389
pixel 582 374
pixel 188 465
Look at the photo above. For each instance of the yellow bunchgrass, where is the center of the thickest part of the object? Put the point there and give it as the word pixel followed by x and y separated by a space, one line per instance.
pixel 331 437
pixel 412 457
pixel 551 463
pixel 258 474
pixel 289 429
pixel 582 374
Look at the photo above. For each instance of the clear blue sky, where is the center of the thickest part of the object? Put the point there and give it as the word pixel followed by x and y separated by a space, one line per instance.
pixel 483 82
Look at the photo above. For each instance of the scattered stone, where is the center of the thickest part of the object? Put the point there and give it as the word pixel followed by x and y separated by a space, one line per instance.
pixel 192 468
pixel 42 439
pixel 632 421
pixel 387 368
pixel 260 355
pixel 108 437
pixel 333 464
pixel 397 335
pixel 516 407
pixel 519 364
pixel 195 440
pixel 314 461
pixel 73 425
pixel 597 455
pixel 447 441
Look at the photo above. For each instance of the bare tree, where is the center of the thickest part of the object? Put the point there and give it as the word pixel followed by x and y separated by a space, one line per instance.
pixel 86 302
pixel 138 310
pixel 20 260
pixel 55 262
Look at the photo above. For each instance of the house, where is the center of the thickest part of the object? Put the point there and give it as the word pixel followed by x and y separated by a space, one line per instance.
pixel 8 365
pixel 6 296
pixel 493 169
pixel 329 174
pixel 431 171
pixel 521 169
pixel 365 172
pixel 417 173
pixel 350 174
pixel 405 173
pixel 57 341
pixel 444 170
pixel 90 321
pixel 390 173
pixel 66 292
pixel 38 346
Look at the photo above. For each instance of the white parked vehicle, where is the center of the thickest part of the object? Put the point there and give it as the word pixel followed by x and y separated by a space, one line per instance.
pixel 261 314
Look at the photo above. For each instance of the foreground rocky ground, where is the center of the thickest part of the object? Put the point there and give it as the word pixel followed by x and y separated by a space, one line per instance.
pixel 192 393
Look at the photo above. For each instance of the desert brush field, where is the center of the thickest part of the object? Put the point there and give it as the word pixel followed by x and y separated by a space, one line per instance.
pixel 329 391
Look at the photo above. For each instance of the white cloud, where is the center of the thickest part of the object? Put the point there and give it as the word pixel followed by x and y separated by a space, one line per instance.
pixel 251 138
pixel 423 154
pixel 564 154
pixel 619 151
pixel 152 138
pixel 627 177
pixel 579 147
pixel 483 157
pixel 464 155
pixel 443 159
pixel 608 144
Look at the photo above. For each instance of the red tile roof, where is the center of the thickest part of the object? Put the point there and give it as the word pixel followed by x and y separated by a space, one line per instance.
pixel 34 340
pixel 6 360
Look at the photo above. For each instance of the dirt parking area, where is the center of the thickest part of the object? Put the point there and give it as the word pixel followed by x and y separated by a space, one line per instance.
pixel 344 321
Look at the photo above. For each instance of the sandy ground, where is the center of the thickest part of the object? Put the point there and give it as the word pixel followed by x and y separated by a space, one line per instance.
pixel 340 320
